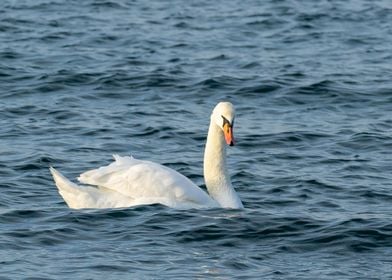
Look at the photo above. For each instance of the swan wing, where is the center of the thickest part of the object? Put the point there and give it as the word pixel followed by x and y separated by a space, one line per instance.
pixel 78 197
pixel 147 182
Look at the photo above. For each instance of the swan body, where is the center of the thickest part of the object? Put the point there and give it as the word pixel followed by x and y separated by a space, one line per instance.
pixel 130 182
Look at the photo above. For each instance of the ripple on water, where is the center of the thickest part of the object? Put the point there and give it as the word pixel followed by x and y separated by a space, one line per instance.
pixel 311 86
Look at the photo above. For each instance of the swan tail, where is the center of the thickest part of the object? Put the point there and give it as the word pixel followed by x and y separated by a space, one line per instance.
pixel 70 192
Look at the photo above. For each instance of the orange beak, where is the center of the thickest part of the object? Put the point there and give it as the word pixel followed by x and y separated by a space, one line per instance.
pixel 228 131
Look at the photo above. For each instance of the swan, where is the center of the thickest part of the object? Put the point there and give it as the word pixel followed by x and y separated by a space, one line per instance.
pixel 130 182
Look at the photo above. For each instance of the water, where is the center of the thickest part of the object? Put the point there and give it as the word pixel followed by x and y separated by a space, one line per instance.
pixel 311 82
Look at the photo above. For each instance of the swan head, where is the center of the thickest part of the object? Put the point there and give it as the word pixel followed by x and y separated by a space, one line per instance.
pixel 223 116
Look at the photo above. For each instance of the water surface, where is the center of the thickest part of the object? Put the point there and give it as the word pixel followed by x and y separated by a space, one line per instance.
pixel 311 82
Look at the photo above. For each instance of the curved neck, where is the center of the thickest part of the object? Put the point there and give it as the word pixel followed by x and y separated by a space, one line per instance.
pixel 216 176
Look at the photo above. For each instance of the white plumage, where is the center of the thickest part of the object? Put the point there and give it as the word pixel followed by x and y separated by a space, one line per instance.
pixel 129 182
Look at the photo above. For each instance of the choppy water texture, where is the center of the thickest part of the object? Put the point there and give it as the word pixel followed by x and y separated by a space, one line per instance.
pixel 311 81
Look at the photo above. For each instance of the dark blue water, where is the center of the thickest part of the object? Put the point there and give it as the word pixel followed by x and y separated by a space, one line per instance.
pixel 312 86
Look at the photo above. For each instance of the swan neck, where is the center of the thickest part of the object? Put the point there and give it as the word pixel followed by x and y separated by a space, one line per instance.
pixel 216 176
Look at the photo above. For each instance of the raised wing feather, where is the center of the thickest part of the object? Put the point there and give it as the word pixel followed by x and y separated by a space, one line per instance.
pixel 145 180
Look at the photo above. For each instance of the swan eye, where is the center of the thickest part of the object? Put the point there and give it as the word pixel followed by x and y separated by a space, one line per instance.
pixel 225 121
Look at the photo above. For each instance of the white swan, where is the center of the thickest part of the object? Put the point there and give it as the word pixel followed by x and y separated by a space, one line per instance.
pixel 129 182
